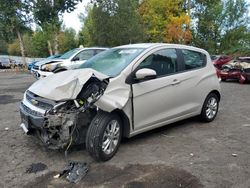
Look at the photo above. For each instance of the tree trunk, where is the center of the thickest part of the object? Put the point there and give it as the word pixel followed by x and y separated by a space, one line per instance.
pixel 21 47
pixel 56 44
pixel 49 48
pixel 189 8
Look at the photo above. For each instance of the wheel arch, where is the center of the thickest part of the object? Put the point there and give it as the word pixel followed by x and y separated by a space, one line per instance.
pixel 217 93
pixel 125 122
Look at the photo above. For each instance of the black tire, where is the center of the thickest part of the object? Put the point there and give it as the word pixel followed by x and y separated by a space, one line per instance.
pixel 95 135
pixel 223 79
pixel 204 115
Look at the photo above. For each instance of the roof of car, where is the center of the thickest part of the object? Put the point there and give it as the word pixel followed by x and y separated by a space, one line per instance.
pixel 101 48
pixel 139 45
pixel 154 45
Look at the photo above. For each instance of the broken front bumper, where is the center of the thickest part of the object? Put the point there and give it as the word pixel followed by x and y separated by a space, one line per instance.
pixel 31 118
pixel 53 131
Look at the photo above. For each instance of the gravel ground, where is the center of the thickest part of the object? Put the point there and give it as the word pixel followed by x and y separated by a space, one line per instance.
pixel 183 154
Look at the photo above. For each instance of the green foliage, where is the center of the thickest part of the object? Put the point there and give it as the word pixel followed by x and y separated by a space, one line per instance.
pixel 156 15
pixel 14 15
pixel 14 48
pixel 3 46
pixel 221 25
pixel 67 40
pixel 112 23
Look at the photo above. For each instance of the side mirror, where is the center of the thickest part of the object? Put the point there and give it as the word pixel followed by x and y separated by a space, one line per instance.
pixel 145 74
pixel 76 59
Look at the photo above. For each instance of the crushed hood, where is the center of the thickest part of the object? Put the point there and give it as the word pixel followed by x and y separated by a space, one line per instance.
pixel 64 85
pixel 47 61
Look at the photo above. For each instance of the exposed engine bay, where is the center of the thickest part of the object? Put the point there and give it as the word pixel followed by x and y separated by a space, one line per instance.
pixel 66 122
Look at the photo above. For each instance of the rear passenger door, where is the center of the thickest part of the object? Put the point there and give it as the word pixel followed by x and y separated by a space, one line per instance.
pixel 191 82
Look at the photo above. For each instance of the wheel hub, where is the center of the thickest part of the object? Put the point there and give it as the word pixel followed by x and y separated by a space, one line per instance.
pixel 111 137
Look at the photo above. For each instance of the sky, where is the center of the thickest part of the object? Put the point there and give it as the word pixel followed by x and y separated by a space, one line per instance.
pixel 72 20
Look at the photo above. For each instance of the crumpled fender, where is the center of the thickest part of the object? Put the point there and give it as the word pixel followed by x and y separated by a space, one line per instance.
pixel 115 96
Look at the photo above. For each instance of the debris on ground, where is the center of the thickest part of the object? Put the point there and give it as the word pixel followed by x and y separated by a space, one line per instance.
pixel 36 167
pixel 246 125
pixel 6 128
pixel 74 172
pixel 234 154
pixel 191 154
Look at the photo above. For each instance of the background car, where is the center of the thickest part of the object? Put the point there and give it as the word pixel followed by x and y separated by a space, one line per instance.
pixel 238 69
pixel 70 60
pixel 30 65
pixel 5 63
pixel 219 60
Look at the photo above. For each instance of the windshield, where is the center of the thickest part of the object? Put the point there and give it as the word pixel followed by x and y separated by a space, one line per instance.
pixel 113 61
pixel 68 54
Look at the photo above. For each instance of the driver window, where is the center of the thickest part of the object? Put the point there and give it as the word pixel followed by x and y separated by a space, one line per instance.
pixel 164 62
pixel 85 55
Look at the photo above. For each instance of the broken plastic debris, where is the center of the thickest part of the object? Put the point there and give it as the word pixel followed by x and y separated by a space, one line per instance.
pixel 56 176
pixel 6 128
pixel 246 125
pixel 234 154
pixel 74 172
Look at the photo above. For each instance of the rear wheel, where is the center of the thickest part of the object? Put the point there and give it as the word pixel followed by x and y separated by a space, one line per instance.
pixel 104 136
pixel 210 108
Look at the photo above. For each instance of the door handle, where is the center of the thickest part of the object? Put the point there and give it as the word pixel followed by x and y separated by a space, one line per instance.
pixel 175 82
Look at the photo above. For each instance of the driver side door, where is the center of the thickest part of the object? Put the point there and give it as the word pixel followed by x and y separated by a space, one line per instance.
pixel 154 99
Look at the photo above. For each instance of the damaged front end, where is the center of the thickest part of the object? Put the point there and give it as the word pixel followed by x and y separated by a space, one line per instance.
pixel 61 123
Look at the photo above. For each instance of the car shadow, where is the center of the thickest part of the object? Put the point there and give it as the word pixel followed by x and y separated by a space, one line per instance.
pixel 164 130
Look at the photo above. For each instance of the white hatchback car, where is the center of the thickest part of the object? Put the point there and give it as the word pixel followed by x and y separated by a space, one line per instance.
pixel 119 93
pixel 70 60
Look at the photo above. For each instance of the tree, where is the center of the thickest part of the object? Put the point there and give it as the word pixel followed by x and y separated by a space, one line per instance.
pixel 177 30
pixel 112 23
pixel 47 14
pixel 67 40
pixel 14 17
pixel 160 18
pixel 14 48
pixel 221 25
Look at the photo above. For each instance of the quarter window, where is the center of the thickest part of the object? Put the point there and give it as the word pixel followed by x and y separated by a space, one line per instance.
pixel 193 60
pixel 164 62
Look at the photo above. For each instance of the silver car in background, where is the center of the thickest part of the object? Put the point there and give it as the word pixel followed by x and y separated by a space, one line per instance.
pixel 70 60
pixel 120 93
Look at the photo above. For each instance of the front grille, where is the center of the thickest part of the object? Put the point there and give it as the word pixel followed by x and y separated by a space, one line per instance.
pixel 247 70
pixel 38 101
pixel 30 111
pixel 36 67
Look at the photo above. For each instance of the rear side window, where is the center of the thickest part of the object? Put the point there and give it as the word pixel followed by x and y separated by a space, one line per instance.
pixel 193 59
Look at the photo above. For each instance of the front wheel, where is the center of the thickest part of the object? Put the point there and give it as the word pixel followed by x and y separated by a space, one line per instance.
pixel 104 136
pixel 210 108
